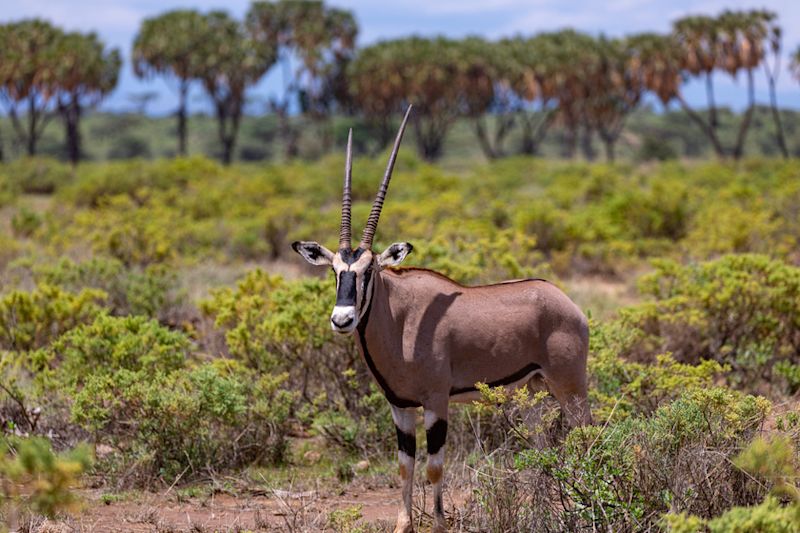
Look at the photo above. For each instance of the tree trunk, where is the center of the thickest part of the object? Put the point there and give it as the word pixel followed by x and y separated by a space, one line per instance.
pixel 570 142
pixel 227 151
pixel 712 107
pixel 586 144
pixel 430 138
pixel 608 143
pixel 71 114
pixel 738 149
pixel 532 136
pixel 776 118
pixel 707 130
pixel 229 114
pixel 184 94
pixel 483 138
pixel 2 155
pixel 32 116
pixel 289 133
pixel 504 123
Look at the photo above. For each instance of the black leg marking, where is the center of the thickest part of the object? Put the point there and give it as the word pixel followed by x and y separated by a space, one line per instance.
pixel 437 505
pixel 436 436
pixel 406 442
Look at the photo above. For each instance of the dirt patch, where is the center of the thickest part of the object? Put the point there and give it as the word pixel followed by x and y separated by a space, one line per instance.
pixel 277 511
pixel 283 510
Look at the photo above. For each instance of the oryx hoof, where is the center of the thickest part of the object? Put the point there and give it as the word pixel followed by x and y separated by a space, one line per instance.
pixel 405 527
pixel 403 523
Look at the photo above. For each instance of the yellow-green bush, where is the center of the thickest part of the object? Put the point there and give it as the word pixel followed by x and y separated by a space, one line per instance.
pixel 624 475
pixel 182 423
pixel 36 479
pixel 282 326
pixel 31 319
pixel 585 218
pixel 773 461
pixel 42 175
pixel 621 387
pixel 742 310
pixel 150 291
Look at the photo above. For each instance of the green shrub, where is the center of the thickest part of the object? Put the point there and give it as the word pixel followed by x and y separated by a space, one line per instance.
pixel 774 461
pixel 39 175
pixel 272 325
pixel 656 148
pixel 791 373
pixel 742 310
pixel 623 476
pixel 108 344
pixel 25 222
pixel 31 319
pixel 621 387
pixel 9 189
pixel 137 179
pixel 209 417
pixel 148 291
pixel 367 429
pixel 36 479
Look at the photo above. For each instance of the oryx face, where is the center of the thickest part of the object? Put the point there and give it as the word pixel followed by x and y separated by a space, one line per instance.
pixel 357 268
pixel 355 271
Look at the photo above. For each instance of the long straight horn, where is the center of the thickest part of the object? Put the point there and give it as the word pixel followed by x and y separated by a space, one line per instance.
pixel 344 230
pixel 375 213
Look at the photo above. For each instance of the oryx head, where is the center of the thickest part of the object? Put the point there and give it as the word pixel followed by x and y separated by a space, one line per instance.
pixel 355 268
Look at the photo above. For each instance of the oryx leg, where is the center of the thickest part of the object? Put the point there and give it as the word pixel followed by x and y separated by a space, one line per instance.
pixel 436 435
pixel 566 375
pixel 405 424
pixel 571 393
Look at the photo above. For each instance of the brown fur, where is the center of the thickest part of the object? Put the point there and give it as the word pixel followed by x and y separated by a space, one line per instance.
pixel 428 335
pixel 434 473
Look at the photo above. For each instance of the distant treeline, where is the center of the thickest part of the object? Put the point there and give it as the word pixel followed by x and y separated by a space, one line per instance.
pixel 647 136
pixel 526 88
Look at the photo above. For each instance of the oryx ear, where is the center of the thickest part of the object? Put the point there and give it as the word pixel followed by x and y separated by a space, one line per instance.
pixel 313 252
pixel 394 254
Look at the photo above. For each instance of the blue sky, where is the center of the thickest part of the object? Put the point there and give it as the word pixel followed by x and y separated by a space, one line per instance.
pixel 116 21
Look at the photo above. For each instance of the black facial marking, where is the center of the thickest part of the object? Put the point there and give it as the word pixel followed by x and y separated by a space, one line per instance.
pixel 406 442
pixel 346 292
pixel 516 376
pixel 436 436
pixel 350 256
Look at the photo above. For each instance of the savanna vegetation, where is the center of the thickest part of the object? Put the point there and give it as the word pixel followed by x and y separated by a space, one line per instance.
pixel 157 334
pixel 156 331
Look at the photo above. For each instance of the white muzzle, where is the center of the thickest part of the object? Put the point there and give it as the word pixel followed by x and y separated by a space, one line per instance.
pixel 343 318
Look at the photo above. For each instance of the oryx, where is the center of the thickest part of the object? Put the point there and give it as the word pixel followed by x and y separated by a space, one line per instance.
pixel 428 340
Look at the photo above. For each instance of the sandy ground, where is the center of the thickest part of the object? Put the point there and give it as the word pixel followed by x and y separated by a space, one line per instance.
pixel 162 513
pixel 280 511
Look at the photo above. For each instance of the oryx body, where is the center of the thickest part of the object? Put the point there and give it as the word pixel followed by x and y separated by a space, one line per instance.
pixel 428 340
